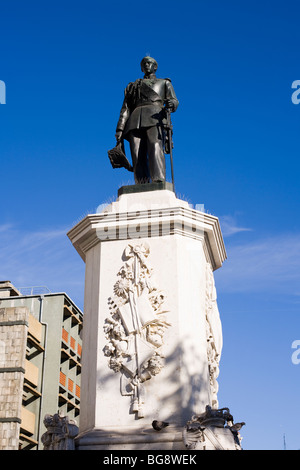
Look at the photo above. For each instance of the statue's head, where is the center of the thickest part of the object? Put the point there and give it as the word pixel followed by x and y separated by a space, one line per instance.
pixel 149 65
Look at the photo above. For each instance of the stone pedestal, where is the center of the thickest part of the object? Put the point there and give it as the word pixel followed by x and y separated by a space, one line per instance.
pixel 152 335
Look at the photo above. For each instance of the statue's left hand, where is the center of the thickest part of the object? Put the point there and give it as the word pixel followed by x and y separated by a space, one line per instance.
pixel 169 104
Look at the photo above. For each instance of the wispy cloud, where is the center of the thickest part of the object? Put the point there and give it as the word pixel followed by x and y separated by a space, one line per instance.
pixel 41 258
pixel 230 226
pixel 266 265
pixel 5 227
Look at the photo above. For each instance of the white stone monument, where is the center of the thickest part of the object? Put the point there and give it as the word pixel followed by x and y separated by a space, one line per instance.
pixel 152 335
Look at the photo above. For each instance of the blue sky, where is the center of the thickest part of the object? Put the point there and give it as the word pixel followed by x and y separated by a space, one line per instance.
pixel 236 150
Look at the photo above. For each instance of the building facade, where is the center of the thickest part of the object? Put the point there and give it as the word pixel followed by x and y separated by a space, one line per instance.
pixel 40 363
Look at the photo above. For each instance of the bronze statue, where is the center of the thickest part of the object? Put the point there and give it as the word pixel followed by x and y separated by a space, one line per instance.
pixel 145 123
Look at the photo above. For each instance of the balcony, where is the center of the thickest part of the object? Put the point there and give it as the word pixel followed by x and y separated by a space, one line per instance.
pixel 35 328
pixel 31 373
pixel 27 421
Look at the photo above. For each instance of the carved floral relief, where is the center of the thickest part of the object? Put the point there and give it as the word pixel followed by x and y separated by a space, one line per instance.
pixel 136 326
pixel 213 334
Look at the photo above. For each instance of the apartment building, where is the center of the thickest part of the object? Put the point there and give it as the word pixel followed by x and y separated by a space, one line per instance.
pixel 40 363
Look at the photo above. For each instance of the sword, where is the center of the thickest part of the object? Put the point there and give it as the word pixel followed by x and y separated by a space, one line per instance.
pixel 169 150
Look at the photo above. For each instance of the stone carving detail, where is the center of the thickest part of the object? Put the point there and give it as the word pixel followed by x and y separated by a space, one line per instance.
pixel 60 434
pixel 213 334
pixel 136 326
pixel 212 430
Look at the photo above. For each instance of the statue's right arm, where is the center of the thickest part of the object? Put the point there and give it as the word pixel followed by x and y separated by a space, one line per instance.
pixel 124 115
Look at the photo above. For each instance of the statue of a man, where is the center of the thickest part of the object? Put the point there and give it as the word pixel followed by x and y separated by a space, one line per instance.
pixel 142 122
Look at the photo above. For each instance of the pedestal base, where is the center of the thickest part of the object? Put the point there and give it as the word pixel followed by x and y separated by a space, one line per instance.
pixel 126 438
pixel 142 188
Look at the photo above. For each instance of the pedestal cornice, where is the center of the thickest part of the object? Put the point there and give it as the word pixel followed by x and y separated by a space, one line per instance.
pixel 118 222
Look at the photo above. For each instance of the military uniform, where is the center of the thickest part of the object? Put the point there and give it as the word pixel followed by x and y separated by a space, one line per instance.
pixel 142 120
